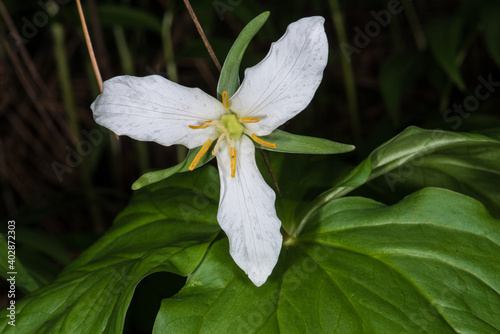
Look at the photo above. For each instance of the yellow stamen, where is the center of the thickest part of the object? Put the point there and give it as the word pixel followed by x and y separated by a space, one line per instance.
pixel 204 125
pixel 250 119
pixel 233 162
pixel 200 154
pixel 225 102
pixel 262 142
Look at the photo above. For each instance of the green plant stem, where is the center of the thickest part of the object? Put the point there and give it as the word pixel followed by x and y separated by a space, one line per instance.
pixel 65 79
pixel 318 203
pixel 462 53
pixel 396 34
pixel 350 85
pixel 168 50
pixel 123 50
pixel 70 107
pixel 445 96
pixel 415 26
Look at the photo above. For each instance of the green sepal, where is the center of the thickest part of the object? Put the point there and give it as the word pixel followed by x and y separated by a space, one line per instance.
pixel 158 175
pixel 290 143
pixel 229 79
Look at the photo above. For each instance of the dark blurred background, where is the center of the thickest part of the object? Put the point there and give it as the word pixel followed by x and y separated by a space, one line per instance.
pixel 63 179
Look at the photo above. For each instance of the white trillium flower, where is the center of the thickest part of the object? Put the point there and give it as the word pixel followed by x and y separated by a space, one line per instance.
pixel 155 109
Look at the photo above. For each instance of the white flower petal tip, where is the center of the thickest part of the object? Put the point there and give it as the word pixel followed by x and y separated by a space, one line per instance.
pixel 153 108
pixel 258 276
pixel 247 213
pixel 285 81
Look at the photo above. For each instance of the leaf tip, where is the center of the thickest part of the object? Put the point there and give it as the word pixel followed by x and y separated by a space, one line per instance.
pixel 136 185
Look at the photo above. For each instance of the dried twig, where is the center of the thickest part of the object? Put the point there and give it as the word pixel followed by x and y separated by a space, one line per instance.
pixel 202 34
pixel 98 38
pixel 89 46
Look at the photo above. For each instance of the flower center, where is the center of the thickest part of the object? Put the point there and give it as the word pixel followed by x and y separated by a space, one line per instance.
pixel 230 129
pixel 232 125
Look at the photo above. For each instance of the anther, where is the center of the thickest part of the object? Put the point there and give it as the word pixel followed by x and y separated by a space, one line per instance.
pixel 233 161
pixel 225 102
pixel 262 142
pixel 200 154
pixel 204 125
pixel 250 119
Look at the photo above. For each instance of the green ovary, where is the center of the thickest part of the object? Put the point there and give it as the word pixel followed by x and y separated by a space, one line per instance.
pixel 235 129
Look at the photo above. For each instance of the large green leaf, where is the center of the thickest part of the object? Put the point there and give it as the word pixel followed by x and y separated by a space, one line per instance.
pixel 166 227
pixel 36 256
pixel 427 264
pixel 300 178
pixel 24 280
pixel 464 162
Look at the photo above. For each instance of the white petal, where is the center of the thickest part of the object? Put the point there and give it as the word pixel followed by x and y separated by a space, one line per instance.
pixel 247 213
pixel 155 109
pixel 284 83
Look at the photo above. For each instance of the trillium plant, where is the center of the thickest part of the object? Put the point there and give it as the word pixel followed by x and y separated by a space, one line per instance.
pixel 272 92
pixel 266 241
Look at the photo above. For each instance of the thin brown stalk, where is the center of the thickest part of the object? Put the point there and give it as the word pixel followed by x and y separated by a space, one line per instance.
pixel 89 46
pixel 202 34
pixel 100 48
pixel 270 171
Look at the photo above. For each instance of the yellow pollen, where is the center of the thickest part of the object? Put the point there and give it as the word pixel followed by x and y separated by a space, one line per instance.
pixel 250 119
pixel 200 154
pixel 225 102
pixel 204 125
pixel 233 161
pixel 262 142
